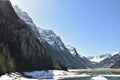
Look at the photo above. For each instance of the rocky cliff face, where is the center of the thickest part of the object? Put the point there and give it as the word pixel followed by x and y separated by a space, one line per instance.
pixel 117 58
pixel 73 51
pixel 6 61
pixel 23 46
pixel 24 16
pixel 83 60
pixel 117 65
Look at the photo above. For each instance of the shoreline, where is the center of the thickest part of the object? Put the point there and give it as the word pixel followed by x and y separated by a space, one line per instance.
pixel 95 69
pixel 57 74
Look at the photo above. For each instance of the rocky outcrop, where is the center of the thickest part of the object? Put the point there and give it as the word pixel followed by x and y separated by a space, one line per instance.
pixel 23 46
pixel 117 65
pixel 6 61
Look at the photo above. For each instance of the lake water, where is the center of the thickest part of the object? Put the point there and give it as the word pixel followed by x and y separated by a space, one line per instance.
pixel 97 74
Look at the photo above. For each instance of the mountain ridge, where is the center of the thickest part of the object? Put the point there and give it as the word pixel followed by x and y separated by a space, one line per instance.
pixel 25 51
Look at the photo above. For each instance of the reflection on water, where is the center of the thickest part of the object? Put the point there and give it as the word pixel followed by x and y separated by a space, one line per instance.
pixel 97 75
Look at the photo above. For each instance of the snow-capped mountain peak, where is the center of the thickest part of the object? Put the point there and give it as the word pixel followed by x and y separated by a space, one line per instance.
pixel 115 53
pixel 50 37
pixel 73 51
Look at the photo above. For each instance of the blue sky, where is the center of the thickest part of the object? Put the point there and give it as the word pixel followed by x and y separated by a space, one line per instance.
pixel 91 26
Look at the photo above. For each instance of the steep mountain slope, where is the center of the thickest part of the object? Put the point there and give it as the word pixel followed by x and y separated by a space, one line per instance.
pixel 24 16
pixel 53 43
pixel 59 50
pixel 83 59
pixel 52 39
pixel 21 46
pixel 73 51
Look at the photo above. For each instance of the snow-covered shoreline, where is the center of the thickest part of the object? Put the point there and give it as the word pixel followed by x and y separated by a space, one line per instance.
pixel 49 74
pixel 57 74
pixel 53 74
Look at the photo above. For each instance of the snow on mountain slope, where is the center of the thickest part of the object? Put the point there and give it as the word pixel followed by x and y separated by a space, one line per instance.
pixel 106 60
pixel 97 59
pixel 83 59
pixel 50 36
pixel 100 58
pixel 111 60
pixel 68 52
pixel 73 51
pixel 52 39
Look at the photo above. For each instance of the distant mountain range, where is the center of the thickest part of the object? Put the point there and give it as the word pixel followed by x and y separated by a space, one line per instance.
pixel 106 60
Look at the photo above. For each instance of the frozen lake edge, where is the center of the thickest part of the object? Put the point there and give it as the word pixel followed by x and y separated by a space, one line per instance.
pixel 56 74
